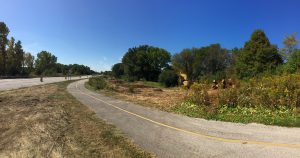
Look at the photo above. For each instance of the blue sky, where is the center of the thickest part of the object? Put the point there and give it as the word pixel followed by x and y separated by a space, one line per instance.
pixel 98 32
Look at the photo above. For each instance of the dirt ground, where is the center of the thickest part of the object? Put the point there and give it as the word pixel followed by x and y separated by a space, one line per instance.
pixel 46 121
pixel 161 98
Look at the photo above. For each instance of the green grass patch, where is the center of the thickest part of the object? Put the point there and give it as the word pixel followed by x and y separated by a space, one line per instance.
pixel 153 84
pixel 281 116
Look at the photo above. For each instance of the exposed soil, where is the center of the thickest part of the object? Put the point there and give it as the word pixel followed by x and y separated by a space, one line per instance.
pixel 162 98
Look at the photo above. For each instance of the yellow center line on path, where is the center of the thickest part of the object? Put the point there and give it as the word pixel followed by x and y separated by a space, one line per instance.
pixel 194 133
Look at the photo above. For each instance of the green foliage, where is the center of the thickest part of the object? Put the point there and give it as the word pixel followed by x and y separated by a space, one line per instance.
pixel 282 116
pixel 268 92
pixel 189 109
pixel 168 78
pixel 15 58
pixel 257 56
pixel 3 41
pixel 211 60
pixel 203 61
pixel 293 64
pixel 28 63
pixel 14 61
pixel 183 62
pixel 77 69
pixel 11 58
pixel 273 100
pixel 118 70
pixel 45 61
pixel 19 57
pixel 145 62
pixel 152 84
pixel 97 82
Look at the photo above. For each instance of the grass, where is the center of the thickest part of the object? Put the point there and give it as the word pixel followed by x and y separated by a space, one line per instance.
pixel 153 84
pixel 46 121
pixel 281 117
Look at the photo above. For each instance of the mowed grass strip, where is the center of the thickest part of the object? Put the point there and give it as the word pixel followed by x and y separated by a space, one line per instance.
pixel 46 121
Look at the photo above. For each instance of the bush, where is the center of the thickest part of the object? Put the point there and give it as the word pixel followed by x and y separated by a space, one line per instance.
pixel 168 78
pixel 198 94
pixel 229 97
pixel 97 82
pixel 268 92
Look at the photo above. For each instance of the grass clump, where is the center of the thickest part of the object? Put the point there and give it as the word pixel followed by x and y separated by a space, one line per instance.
pixel 97 83
pixel 198 94
pixel 153 84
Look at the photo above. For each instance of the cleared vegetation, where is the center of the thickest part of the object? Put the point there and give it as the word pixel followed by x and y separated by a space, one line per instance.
pixel 46 121
pixel 150 94
pixel 268 100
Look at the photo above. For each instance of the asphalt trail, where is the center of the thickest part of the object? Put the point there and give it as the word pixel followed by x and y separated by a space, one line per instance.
pixel 171 135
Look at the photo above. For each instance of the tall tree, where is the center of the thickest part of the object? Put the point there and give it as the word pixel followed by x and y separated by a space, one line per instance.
pixel 197 62
pixel 29 62
pixel 19 57
pixel 117 70
pixel 290 46
pixel 257 56
pixel 45 63
pixel 145 62
pixel 11 58
pixel 183 62
pixel 210 60
pixel 3 41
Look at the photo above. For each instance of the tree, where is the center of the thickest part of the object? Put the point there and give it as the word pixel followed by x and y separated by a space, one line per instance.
pixel 3 41
pixel 197 62
pixel 210 60
pixel 257 56
pixel 145 62
pixel 290 46
pixel 168 78
pixel 183 62
pixel 19 58
pixel 118 70
pixel 45 63
pixel 11 58
pixel 29 62
pixel 293 64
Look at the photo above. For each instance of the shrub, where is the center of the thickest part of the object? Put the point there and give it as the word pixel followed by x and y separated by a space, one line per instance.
pixel 198 94
pixel 229 97
pixel 269 92
pixel 168 78
pixel 97 82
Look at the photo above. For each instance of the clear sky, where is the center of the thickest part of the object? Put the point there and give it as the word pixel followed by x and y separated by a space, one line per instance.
pixel 98 32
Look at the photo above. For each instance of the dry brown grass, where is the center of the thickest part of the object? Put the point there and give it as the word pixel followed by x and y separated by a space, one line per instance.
pixel 137 92
pixel 46 121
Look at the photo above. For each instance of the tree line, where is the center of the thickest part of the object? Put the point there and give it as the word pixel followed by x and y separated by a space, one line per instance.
pixel 257 57
pixel 15 62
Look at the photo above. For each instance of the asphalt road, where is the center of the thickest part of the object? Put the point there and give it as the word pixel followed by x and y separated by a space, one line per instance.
pixel 171 135
pixel 7 84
